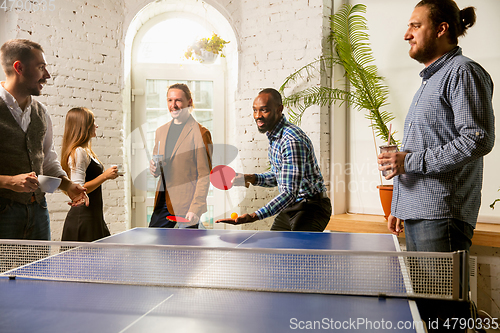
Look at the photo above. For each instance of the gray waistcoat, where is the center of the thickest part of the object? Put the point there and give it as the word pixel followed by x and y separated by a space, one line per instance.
pixel 21 152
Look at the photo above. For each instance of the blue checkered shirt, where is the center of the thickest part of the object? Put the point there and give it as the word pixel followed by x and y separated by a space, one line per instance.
pixel 449 127
pixel 294 168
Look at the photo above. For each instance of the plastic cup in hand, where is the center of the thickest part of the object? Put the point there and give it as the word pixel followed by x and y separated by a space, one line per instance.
pixel 120 171
pixel 157 159
pixel 388 149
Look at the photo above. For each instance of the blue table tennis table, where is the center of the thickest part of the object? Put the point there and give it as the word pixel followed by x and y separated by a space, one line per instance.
pixel 29 305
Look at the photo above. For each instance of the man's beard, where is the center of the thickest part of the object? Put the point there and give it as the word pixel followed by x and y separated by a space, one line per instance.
pixel 34 92
pixel 426 53
pixel 269 124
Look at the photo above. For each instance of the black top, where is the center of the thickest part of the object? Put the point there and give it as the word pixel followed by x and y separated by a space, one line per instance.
pixel 87 223
pixel 173 135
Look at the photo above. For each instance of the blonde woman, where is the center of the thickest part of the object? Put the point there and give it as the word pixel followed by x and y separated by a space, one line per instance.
pixel 81 163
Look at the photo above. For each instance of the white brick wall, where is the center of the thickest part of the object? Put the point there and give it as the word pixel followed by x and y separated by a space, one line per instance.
pixel 83 45
pixel 80 40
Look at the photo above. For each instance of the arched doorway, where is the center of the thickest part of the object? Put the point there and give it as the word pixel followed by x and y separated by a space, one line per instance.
pixel 156 61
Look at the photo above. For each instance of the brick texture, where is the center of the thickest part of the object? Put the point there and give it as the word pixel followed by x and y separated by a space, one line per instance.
pixel 83 42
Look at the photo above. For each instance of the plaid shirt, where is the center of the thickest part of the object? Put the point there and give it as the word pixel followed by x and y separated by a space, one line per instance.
pixel 449 127
pixel 294 168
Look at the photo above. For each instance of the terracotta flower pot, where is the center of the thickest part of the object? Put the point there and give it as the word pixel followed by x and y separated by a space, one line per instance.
pixel 385 192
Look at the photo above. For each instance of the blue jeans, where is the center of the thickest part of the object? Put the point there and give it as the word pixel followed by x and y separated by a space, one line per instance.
pixel 442 235
pixel 24 221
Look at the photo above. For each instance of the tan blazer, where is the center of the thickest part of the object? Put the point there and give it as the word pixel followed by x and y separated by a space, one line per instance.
pixel 187 170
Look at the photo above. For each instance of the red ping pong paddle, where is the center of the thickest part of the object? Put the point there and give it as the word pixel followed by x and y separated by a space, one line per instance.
pixel 174 218
pixel 222 176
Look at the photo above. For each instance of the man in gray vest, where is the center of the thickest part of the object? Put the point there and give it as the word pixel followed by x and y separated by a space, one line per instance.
pixel 26 148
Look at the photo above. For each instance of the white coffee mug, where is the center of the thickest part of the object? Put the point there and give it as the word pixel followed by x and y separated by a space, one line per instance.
pixel 48 184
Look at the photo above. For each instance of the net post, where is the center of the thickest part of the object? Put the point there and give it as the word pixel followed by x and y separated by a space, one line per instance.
pixel 456 275
pixel 465 275
pixel 461 275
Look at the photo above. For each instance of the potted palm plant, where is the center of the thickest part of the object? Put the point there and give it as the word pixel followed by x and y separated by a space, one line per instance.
pixel 206 50
pixel 365 90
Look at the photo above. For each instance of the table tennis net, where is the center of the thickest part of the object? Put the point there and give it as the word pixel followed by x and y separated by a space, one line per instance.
pixel 398 274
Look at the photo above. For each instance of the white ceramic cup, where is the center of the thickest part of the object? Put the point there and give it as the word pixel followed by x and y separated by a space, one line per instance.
pixel 48 184
pixel 121 171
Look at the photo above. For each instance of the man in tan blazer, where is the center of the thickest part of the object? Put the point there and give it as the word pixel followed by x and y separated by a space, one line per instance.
pixel 185 168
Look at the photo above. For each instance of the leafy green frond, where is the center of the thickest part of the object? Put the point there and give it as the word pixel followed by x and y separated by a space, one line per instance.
pixel 321 96
pixel 309 71
pixel 299 102
pixel 317 96
pixel 352 50
pixel 379 119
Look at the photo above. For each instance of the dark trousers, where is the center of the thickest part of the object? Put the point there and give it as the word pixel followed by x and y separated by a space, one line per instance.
pixel 312 214
pixel 444 315
pixel 159 218
pixel 160 213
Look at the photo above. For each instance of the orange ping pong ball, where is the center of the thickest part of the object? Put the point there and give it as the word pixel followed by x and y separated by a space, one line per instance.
pixel 234 216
